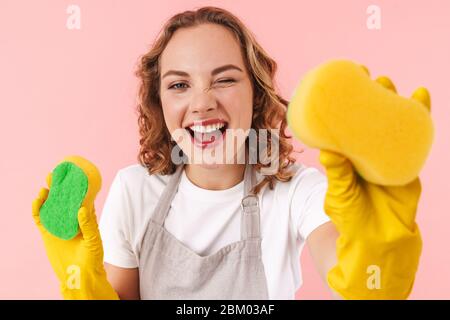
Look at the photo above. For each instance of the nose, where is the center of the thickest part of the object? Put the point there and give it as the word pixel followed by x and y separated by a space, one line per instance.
pixel 203 102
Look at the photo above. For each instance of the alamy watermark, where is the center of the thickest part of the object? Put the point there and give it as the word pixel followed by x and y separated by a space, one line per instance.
pixel 373 21
pixel 374 280
pixel 228 147
pixel 73 281
pixel 74 19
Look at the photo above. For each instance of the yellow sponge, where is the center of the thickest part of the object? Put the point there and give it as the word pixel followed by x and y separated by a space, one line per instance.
pixel 338 107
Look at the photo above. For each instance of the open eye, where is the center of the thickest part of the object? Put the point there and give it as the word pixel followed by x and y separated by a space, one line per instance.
pixel 176 87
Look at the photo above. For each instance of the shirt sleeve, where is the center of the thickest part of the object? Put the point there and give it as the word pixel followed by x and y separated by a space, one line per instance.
pixel 308 202
pixel 115 227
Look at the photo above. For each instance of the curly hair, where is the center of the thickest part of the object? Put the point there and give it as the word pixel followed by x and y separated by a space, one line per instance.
pixel 269 110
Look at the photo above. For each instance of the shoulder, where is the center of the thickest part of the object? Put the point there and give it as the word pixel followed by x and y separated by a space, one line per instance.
pixel 304 180
pixel 137 172
pixel 136 177
pixel 307 178
pixel 136 191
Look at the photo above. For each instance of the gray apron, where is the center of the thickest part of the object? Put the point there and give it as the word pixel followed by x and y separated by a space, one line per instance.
pixel 170 270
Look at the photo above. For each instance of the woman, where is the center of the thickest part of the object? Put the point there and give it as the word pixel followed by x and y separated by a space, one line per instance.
pixel 205 216
pixel 206 66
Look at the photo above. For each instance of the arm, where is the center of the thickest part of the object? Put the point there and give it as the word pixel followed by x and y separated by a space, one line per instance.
pixel 125 281
pixel 322 247
pixel 379 245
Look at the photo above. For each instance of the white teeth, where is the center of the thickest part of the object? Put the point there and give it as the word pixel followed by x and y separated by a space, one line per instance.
pixel 208 128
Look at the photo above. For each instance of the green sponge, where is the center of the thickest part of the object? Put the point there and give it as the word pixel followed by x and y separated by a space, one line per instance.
pixel 59 213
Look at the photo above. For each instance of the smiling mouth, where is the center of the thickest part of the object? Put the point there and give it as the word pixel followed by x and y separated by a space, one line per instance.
pixel 207 133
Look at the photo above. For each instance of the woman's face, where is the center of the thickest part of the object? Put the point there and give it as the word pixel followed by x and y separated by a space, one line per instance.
pixel 206 93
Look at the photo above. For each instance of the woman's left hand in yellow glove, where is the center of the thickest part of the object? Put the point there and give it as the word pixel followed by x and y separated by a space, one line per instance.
pixel 379 243
pixel 78 263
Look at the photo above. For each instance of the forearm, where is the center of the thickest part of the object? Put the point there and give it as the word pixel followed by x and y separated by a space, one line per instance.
pixel 125 281
pixel 322 247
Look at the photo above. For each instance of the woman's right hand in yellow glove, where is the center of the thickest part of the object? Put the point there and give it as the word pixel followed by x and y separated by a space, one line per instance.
pixel 78 263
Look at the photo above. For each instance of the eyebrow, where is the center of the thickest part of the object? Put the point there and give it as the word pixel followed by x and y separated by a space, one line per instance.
pixel 214 72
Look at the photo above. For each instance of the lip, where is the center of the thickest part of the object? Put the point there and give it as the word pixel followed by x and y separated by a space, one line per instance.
pixel 205 122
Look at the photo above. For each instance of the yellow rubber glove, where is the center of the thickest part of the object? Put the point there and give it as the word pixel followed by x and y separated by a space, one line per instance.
pixel 78 263
pixel 379 245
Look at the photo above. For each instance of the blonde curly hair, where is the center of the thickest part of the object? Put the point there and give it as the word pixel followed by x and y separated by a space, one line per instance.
pixel 269 108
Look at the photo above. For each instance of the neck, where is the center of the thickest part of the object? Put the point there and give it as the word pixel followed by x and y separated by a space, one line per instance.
pixel 218 177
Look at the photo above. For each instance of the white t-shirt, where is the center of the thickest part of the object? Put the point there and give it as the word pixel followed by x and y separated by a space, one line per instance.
pixel 207 220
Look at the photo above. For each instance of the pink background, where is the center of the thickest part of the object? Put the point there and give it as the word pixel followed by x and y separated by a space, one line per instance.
pixel 73 92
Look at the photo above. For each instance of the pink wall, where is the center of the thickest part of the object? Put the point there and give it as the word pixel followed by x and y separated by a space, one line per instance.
pixel 73 91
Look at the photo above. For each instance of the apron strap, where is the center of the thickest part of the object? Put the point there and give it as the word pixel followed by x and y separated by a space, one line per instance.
pixel 250 220
pixel 165 200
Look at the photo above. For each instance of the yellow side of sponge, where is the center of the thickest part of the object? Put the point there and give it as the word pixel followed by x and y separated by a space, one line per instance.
pixel 94 179
pixel 93 175
pixel 338 107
